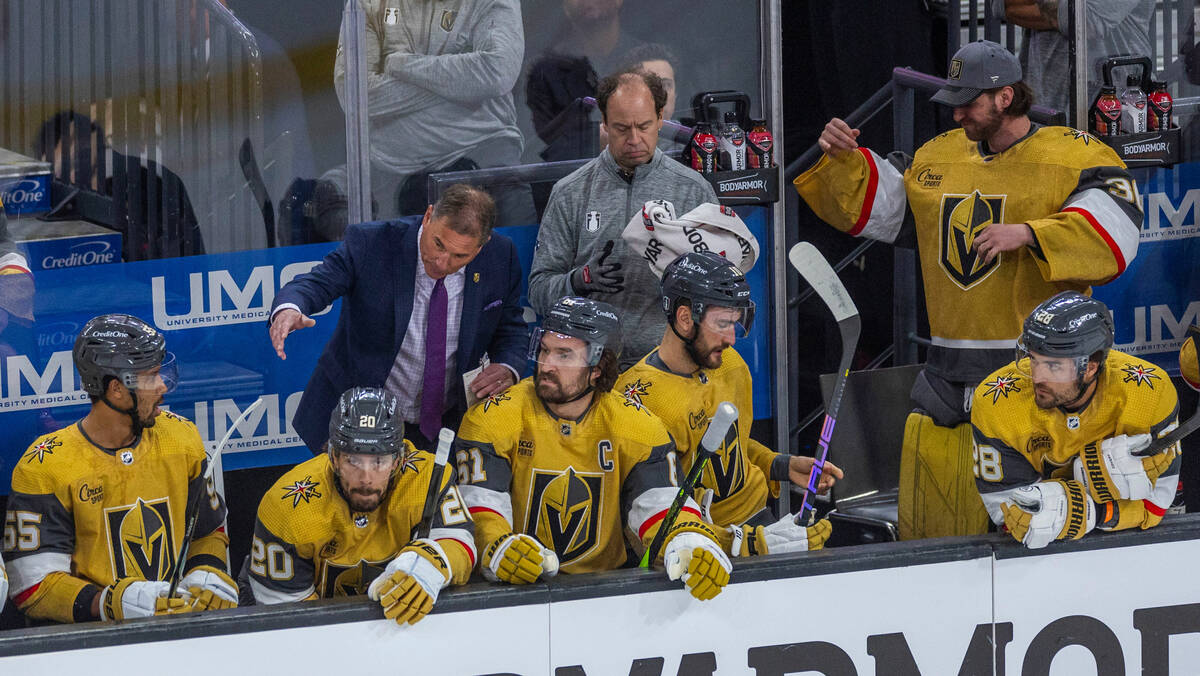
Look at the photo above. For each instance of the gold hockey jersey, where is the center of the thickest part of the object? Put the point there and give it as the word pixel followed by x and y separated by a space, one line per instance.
pixel 1073 191
pixel 309 544
pixel 1017 443
pixel 739 474
pixel 572 484
pixel 79 518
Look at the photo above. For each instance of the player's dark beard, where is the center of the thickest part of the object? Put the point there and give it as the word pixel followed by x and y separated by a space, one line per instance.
pixel 365 501
pixel 551 390
pixel 702 354
pixel 985 129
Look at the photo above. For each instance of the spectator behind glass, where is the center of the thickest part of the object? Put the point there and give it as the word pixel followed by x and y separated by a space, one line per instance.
pixel 76 149
pixel 1114 27
pixel 439 98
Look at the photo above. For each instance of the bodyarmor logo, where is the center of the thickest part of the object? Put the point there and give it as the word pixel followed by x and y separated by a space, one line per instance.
pixel 349 580
pixel 216 298
pixel 25 386
pixel 140 543
pixel 567 511
pixel 963 218
pixel 1139 374
pixel 726 471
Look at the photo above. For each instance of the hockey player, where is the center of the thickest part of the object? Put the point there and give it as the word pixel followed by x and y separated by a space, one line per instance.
pixel 1006 213
pixel 344 522
pixel 1060 432
pixel 97 515
pixel 555 467
pixel 707 302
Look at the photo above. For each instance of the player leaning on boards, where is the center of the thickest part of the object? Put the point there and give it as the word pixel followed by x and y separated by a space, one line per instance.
pixel 1007 213
pixel 96 518
pixel 707 302
pixel 555 468
pixel 1058 432
pixel 343 523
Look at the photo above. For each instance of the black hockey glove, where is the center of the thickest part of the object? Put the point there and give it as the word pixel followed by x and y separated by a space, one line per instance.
pixel 596 276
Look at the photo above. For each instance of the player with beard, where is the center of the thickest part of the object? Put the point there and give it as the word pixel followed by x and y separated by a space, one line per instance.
pixel 1004 214
pixel 707 302
pixel 1060 432
pixel 557 466
pixel 96 517
pixel 343 523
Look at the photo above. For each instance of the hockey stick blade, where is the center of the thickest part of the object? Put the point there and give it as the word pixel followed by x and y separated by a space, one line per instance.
pixel 445 440
pixel 258 188
pixel 815 270
pixel 194 507
pixel 714 436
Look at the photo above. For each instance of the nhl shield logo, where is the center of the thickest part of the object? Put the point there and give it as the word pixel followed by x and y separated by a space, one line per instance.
pixel 591 222
pixel 963 217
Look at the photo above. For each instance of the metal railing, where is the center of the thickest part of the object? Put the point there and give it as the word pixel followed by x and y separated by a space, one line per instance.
pixel 156 98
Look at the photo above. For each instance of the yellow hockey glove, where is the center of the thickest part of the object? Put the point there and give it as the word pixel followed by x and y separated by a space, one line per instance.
pixel 517 558
pixel 692 554
pixel 409 585
pixel 1049 510
pixel 210 588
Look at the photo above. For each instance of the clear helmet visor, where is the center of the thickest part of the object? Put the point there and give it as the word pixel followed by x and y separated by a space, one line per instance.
pixel 160 379
pixel 550 348
pixel 379 465
pixel 1043 369
pixel 730 321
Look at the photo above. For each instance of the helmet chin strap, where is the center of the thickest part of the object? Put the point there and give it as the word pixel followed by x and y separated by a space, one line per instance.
pixel 135 421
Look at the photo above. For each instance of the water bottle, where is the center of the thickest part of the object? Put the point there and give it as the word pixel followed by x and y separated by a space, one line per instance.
pixel 1133 106
pixel 733 143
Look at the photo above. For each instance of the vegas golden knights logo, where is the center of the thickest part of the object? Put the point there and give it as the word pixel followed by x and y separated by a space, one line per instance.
pixel 963 218
pixel 726 471
pixel 349 580
pixel 448 17
pixel 140 541
pixel 566 511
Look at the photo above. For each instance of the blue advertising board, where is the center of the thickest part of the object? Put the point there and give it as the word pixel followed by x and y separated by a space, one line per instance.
pixel 213 311
pixel 1158 296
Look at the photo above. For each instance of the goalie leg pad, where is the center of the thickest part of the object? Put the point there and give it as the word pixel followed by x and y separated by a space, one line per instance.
pixel 938 496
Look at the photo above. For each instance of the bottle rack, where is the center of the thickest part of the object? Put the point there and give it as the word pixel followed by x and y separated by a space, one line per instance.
pixel 743 186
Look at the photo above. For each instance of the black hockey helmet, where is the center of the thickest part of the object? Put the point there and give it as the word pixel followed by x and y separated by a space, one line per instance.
pixel 592 321
pixel 1069 324
pixel 701 279
pixel 120 346
pixel 364 422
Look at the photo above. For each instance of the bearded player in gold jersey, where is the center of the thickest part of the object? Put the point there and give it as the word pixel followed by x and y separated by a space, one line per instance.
pixel 1062 433
pixel 346 522
pixel 558 466
pixel 707 302
pixel 96 518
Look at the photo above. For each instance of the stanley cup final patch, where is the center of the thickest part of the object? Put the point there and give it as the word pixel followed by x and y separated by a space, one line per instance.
pixel 391 15
pixel 591 222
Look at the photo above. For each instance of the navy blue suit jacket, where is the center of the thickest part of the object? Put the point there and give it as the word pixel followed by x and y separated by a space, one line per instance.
pixel 374 272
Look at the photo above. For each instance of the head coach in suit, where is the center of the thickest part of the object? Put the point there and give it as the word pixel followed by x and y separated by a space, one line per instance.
pixel 424 298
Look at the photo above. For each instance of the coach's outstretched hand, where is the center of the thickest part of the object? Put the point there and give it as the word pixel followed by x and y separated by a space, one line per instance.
pixel 284 322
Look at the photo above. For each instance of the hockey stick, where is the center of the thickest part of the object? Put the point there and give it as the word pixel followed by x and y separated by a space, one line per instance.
pixel 815 270
pixel 258 188
pixel 193 512
pixel 445 439
pixel 1187 426
pixel 714 436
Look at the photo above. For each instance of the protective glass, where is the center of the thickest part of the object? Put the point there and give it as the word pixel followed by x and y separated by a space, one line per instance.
pixel 366 463
pixel 1041 368
pixel 555 349
pixel 723 320
pixel 151 380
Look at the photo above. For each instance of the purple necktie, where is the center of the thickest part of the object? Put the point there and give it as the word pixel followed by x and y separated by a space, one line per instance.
pixel 434 393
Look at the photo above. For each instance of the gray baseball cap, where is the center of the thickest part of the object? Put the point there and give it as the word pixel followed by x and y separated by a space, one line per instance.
pixel 975 67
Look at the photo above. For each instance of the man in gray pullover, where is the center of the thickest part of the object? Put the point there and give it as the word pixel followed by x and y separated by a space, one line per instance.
pixel 579 249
